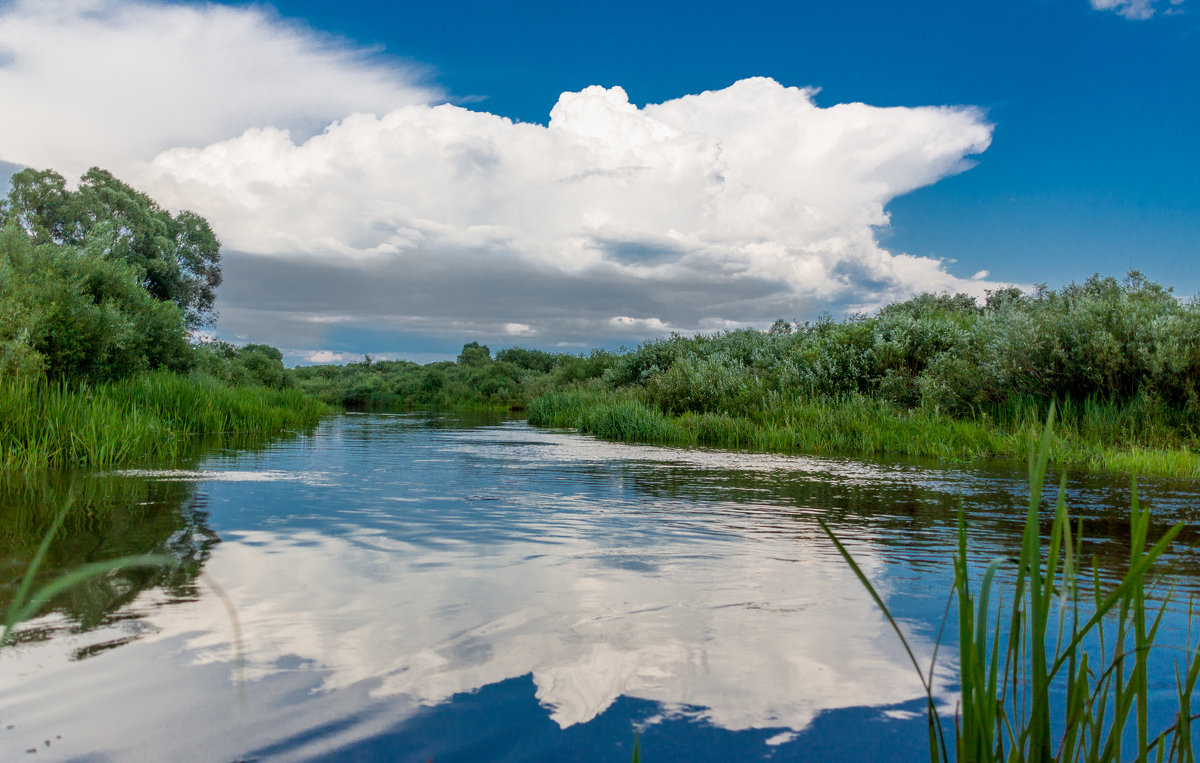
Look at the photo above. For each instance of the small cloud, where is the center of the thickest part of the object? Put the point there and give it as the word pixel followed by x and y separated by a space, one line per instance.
pixel 329 356
pixel 980 275
pixel 519 329
pixel 639 325
pixel 1133 9
pixel 316 318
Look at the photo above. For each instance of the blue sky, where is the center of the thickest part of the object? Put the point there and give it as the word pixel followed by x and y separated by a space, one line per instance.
pixel 1088 160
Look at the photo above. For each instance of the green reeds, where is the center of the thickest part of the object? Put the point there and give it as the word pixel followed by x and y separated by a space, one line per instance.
pixel 144 418
pixel 1056 674
pixel 854 424
pixel 860 425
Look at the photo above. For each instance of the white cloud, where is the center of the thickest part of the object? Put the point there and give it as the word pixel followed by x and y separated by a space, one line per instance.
pixel 725 208
pixel 88 82
pixel 1132 9
pixel 728 208
pixel 329 356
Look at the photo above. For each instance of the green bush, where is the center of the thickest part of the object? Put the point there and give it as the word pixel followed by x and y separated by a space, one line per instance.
pixel 249 365
pixel 714 384
pixel 530 360
pixel 72 314
pixel 474 354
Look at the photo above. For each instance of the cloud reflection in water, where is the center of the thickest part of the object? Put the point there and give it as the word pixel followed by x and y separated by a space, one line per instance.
pixel 406 602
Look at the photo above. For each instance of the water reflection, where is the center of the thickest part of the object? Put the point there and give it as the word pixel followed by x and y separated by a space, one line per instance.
pixel 391 566
pixel 108 518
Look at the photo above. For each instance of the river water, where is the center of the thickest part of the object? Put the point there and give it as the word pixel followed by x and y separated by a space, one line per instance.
pixel 407 587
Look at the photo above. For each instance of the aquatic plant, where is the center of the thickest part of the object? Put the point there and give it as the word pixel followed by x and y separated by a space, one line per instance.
pixel 856 424
pixel 149 417
pixel 1053 637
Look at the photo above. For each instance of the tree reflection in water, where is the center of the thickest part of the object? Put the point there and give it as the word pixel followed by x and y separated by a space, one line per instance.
pixel 110 516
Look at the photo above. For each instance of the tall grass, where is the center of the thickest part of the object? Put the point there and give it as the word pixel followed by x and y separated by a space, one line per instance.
pixel 141 419
pixel 860 425
pixel 1094 648
pixel 851 425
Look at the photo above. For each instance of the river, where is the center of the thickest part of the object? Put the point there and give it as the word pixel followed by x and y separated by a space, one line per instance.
pixel 407 587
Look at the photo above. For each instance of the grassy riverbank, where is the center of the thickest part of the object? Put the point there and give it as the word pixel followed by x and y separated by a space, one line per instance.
pixel 858 425
pixel 941 376
pixel 150 418
pixel 101 295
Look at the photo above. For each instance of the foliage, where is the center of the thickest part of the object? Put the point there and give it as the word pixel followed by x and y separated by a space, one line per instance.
pixel 100 283
pixel 248 365
pixel 527 359
pixel 474 354
pixel 73 314
pixel 176 257
pixel 937 375
pixel 143 419
pixel 1053 635
pixel 1107 340
pixel 474 380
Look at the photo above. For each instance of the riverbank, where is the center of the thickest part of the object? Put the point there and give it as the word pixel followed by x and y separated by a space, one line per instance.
pixel 1088 435
pixel 940 376
pixel 149 418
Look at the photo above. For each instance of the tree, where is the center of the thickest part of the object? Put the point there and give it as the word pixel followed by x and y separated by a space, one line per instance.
pixel 71 314
pixel 474 354
pixel 178 257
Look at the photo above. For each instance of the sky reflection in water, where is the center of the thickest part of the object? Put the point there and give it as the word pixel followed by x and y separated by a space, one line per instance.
pixel 394 567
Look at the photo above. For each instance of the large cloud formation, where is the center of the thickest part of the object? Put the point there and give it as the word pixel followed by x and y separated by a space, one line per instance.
pixel 610 223
pixel 729 207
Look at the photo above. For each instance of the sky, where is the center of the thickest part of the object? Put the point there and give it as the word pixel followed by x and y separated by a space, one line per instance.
pixel 398 179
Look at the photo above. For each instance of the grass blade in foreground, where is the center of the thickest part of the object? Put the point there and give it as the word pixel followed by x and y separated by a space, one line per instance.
pixel 1005 709
pixel 27 602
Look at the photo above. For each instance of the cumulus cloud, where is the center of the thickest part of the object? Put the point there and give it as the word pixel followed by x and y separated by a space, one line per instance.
pixel 727 208
pixel 1133 9
pixel 101 81
pixel 347 202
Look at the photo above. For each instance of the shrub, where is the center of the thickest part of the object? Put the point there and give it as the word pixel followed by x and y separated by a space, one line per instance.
pixel 72 314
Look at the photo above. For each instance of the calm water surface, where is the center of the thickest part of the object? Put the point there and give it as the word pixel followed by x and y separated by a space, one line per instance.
pixel 412 587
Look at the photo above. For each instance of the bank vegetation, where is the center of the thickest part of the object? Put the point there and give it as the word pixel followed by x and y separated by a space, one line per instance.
pixel 101 296
pixel 938 375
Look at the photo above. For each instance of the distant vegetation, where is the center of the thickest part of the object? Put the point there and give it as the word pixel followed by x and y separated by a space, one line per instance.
pixel 100 291
pixel 936 375
pixel 475 380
